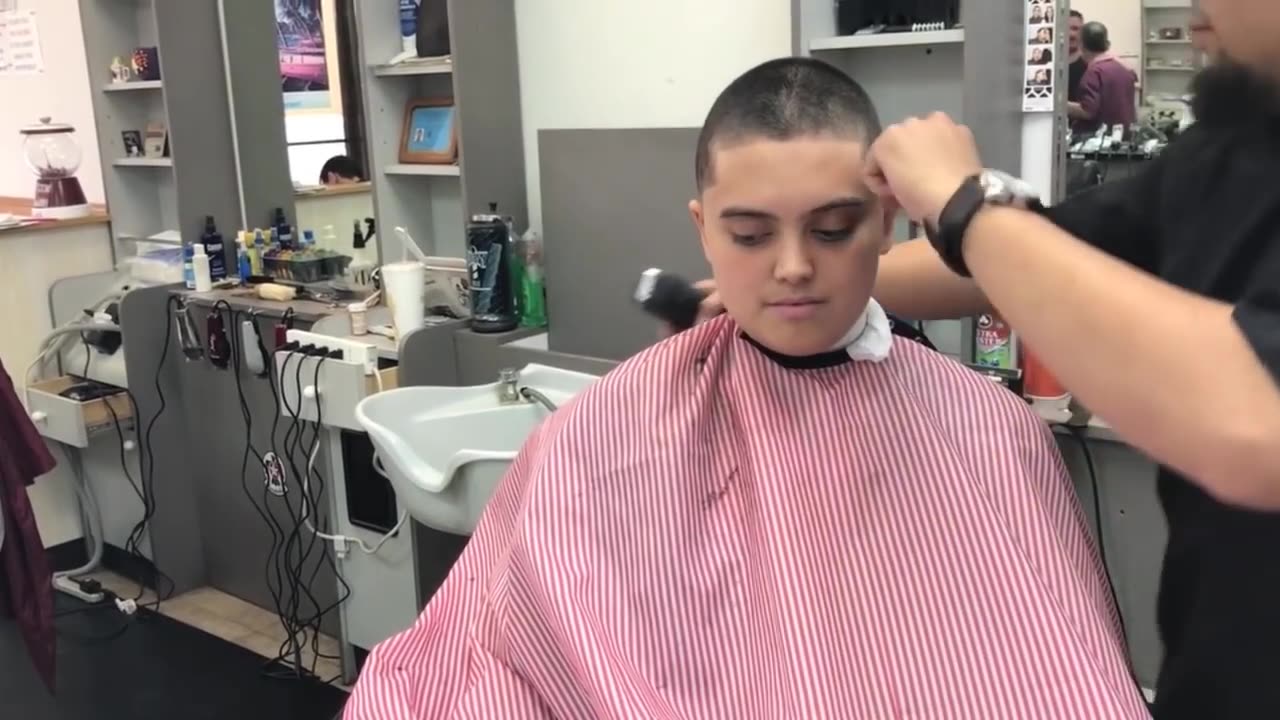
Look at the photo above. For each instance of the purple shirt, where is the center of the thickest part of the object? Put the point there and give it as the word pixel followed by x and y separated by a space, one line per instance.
pixel 1107 93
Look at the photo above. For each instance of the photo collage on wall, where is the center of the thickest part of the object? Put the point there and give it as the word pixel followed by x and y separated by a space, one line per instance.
pixel 1038 80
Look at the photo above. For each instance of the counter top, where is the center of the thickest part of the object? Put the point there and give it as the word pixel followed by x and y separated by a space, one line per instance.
pixel 242 298
pixel 21 207
pixel 312 191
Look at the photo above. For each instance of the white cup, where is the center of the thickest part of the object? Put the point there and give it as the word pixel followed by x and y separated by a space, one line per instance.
pixel 404 286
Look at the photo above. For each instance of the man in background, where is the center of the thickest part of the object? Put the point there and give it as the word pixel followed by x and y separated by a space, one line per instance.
pixel 340 170
pixel 1076 62
pixel 1107 93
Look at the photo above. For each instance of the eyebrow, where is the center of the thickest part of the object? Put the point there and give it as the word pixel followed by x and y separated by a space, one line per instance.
pixel 838 204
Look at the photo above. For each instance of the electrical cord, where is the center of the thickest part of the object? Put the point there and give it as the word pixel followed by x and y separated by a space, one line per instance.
pixel 1094 489
pixel 300 612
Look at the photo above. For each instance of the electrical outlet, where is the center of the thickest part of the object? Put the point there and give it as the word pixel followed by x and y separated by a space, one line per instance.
pixel 274 474
pixel 354 352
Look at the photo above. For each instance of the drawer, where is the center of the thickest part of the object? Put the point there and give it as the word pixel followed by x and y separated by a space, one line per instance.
pixel 71 421
pixel 330 397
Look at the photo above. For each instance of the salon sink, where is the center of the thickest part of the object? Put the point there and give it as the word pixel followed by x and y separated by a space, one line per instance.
pixel 445 449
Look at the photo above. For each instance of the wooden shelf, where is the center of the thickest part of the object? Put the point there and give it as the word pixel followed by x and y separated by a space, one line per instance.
pixel 431 170
pixel 1170 68
pixel 883 40
pixel 412 68
pixel 143 162
pixel 139 85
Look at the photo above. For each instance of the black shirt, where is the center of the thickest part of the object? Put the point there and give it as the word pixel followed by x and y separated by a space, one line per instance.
pixel 1206 217
pixel 1075 73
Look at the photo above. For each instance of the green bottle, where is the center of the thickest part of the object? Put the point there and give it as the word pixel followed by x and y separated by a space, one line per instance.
pixel 533 293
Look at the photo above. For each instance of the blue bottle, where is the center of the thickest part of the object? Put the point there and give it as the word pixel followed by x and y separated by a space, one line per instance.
pixel 188 268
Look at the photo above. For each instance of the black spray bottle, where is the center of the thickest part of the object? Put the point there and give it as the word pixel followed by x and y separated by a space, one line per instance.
pixel 213 247
pixel 488 265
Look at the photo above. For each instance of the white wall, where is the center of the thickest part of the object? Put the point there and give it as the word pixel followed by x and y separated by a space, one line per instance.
pixel 61 92
pixel 1123 19
pixel 618 64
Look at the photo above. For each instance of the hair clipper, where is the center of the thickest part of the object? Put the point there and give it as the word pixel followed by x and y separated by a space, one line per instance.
pixel 670 298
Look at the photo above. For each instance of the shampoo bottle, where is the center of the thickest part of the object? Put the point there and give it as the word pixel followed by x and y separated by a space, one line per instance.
pixel 409 26
pixel 200 268
pixel 213 248
pixel 533 298
pixel 188 271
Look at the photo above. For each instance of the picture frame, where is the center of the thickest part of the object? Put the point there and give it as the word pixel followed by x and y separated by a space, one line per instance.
pixel 132 143
pixel 429 135
pixel 156 140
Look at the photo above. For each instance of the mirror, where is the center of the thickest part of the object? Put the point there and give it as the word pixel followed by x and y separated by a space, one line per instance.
pixel 1112 135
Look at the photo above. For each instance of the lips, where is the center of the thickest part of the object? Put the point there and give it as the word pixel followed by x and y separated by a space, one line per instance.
pixel 795 309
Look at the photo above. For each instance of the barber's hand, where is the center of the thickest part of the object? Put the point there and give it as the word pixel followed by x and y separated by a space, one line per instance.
pixel 921 162
pixel 710 307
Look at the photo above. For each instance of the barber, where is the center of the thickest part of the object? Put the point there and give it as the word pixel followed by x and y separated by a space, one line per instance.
pixel 1156 301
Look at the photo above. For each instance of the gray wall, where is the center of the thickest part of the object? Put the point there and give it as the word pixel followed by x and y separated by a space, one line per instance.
pixel 637 185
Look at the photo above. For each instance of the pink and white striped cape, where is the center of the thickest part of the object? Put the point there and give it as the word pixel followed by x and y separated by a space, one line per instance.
pixel 706 534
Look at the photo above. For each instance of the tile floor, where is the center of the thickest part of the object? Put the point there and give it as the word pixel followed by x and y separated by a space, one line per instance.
pixel 232 619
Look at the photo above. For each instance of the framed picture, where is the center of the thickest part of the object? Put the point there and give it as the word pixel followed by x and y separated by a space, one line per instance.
pixel 430 133
pixel 132 143
pixel 156 142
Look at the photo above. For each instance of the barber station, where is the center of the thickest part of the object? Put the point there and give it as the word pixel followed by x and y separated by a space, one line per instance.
pixel 360 364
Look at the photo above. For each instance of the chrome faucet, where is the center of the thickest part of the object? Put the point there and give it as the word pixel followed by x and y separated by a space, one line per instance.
pixel 508 390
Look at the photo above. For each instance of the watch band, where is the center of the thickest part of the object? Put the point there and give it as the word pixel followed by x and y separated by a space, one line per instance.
pixel 948 237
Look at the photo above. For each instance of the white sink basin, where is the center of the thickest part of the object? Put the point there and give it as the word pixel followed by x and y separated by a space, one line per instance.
pixel 445 449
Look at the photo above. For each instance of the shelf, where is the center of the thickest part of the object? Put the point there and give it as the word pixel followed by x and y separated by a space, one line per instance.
pixel 139 85
pixel 1169 68
pixel 882 40
pixel 432 170
pixel 1168 42
pixel 1166 4
pixel 412 68
pixel 143 162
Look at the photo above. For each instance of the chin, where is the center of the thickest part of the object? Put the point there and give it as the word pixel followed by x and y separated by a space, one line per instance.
pixel 796 341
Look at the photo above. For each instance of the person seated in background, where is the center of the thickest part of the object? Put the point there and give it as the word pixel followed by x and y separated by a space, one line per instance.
pixel 340 170
pixel 1108 88
pixel 784 512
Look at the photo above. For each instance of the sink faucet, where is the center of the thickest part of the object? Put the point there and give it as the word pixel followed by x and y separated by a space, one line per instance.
pixel 508 392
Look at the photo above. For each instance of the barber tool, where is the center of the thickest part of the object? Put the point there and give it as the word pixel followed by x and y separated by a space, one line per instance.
pixel 251 342
pixel 187 335
pixel 282 328
pixel 669 298
pixel 219 347
pixel 106 341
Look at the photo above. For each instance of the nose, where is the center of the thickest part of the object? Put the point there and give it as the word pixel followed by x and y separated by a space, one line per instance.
pixel 793 266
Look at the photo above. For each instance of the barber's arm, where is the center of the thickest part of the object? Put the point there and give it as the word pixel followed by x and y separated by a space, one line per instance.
pixel 913 282
pixel 1181 377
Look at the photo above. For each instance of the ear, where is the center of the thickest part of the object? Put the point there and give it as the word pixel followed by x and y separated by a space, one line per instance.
pixel 699 222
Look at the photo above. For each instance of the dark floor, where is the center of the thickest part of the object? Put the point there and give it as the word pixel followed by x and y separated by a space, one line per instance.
pixel 157 668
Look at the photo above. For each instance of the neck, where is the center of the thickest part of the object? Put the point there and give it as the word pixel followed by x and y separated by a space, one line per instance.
pixel 1074 55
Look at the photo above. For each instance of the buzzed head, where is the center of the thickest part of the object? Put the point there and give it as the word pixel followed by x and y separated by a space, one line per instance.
pixel 784 99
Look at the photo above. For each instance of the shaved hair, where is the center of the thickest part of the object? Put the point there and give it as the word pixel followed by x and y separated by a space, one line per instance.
pixel 783 99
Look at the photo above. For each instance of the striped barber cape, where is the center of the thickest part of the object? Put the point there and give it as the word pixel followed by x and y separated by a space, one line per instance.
pixel 710 532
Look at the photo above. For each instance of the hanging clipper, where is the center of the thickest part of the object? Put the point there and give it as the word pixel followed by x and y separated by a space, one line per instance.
pixel 187 335
pixel 282 329
pixel 219 346
pixel 255 355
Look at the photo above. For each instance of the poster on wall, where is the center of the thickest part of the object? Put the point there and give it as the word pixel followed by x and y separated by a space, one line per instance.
pixel 20 43
pixel 1037 75
pixel 303 46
